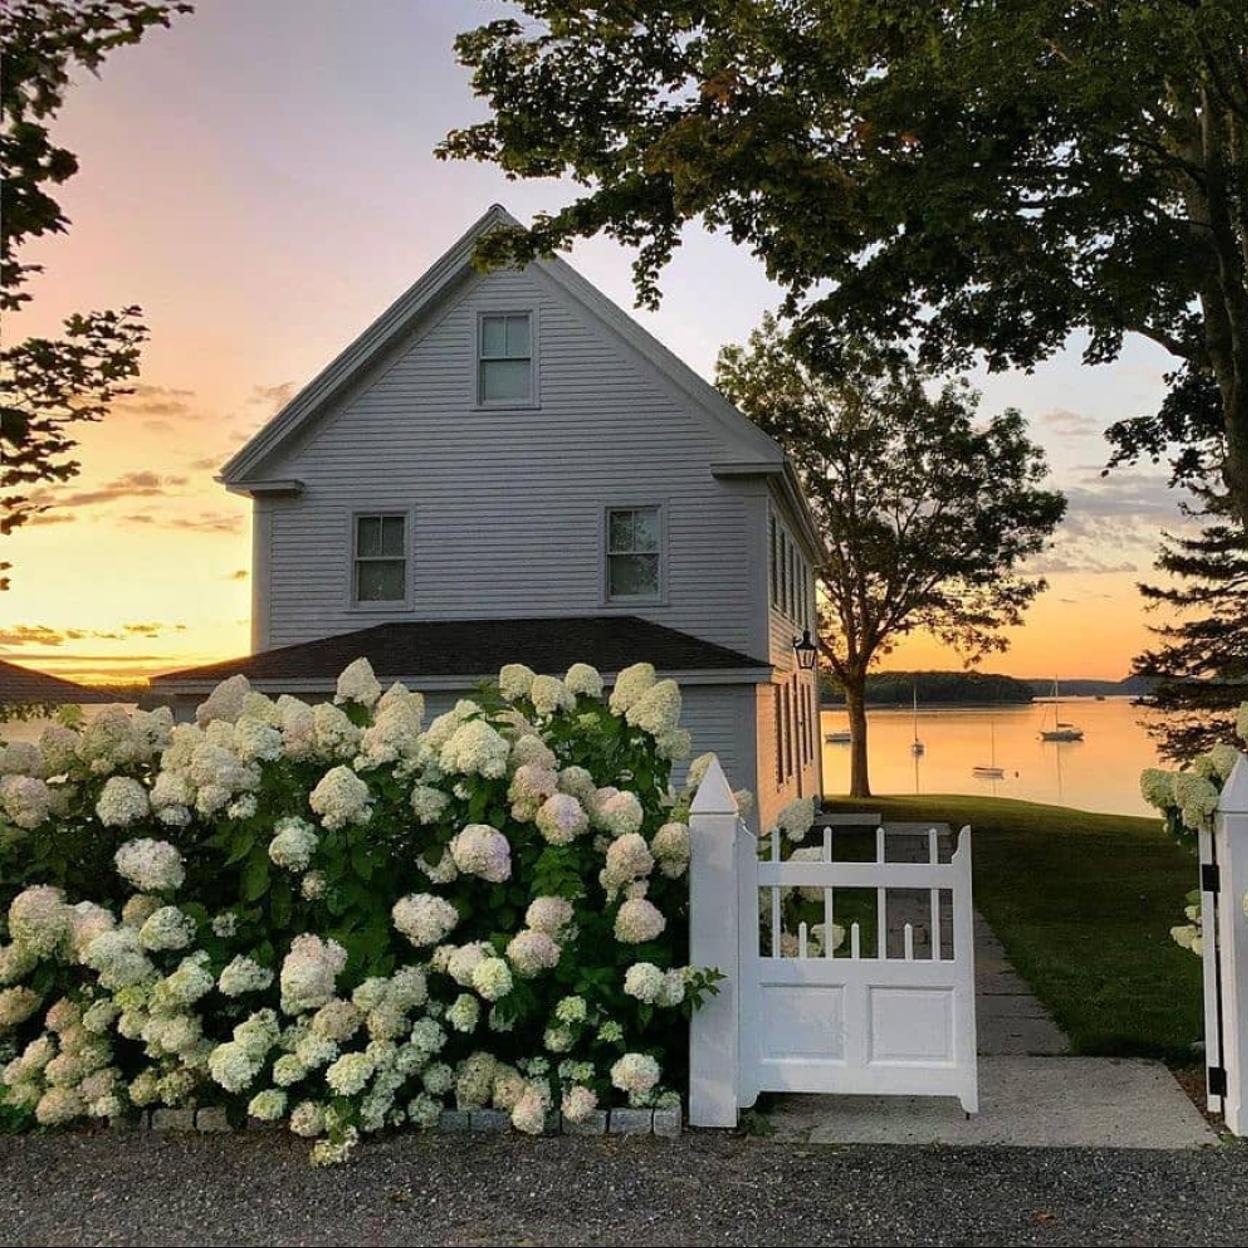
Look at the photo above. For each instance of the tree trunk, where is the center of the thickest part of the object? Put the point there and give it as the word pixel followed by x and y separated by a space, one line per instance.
pixel 856 701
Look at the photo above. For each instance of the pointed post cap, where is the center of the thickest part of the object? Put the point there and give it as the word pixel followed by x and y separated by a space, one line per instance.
pixel 714 796
pixel 1234 798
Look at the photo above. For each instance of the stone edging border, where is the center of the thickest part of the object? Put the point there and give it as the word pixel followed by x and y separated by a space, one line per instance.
pixel 665 1123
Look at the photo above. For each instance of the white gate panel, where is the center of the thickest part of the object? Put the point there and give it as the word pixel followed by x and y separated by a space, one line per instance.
pixel 833 1020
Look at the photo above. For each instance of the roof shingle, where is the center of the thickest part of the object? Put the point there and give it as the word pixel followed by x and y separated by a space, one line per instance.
pixel 476 648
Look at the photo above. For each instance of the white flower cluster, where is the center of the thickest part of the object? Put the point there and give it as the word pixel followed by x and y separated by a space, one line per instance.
pixel 547 807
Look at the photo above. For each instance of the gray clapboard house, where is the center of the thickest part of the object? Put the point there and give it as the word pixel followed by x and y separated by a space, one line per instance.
pixel 507 467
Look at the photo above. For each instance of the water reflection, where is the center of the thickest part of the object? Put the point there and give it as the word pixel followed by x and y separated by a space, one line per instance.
pixel 1101 772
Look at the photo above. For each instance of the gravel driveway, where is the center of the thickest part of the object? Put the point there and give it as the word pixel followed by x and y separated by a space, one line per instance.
pixel 257 1188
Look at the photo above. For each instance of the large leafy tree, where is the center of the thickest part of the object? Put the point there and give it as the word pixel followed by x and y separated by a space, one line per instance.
pixel 927 512
pixel 961 177
pixel 49 385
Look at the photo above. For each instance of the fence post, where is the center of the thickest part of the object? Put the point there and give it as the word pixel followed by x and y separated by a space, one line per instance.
pixel 1215 1069
pixel 1231 841
pixel 714 940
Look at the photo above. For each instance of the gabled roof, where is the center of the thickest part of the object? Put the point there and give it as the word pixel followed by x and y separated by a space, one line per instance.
pixel 458 653
pixel 746 448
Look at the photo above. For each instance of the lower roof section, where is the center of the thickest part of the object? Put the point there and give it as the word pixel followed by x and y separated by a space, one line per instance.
pixel 459 653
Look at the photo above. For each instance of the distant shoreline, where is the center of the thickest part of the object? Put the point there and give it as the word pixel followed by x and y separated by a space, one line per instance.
pixel 901 707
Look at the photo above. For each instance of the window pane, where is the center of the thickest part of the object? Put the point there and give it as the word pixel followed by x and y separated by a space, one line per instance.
pixel 646 531
pixel 493 335
pixel 379 580
pixel 634 576
pixel 391 535
pixel 368 535
pixel 620 531
pixel 503 380
pixel 518 337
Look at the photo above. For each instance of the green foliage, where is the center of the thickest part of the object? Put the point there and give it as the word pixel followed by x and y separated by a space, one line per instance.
pixel 981 178
pixel 926 510
pixel 897 688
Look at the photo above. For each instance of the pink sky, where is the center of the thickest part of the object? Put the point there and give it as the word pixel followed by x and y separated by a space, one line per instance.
pixel 261 180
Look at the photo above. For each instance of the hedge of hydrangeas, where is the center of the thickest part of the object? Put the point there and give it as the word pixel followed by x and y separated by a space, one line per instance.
pixel 1188 800
pixel 335 916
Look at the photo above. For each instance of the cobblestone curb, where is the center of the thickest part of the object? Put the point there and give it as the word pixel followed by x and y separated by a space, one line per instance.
pixel 662 1122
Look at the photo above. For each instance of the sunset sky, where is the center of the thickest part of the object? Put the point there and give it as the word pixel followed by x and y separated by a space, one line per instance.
pixel 260 179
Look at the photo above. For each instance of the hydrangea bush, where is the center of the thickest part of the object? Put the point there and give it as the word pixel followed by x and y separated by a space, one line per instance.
pixel 1188 800
pixel 338 917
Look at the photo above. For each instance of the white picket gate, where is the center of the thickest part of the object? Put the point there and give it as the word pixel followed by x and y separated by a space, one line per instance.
pixel 793 1017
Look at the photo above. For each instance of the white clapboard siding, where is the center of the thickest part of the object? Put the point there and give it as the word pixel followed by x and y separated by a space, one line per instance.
pixel 507 505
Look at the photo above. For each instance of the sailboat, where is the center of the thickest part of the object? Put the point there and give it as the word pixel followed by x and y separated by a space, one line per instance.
pixel 991 772
pixel 1061 730
pixel 917 748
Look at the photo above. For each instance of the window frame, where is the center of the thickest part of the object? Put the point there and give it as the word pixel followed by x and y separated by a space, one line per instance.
pixel 479 402
pixel 354 602
pixel 628 602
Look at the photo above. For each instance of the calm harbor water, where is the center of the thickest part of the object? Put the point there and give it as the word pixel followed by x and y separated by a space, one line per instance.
pixel 1101 772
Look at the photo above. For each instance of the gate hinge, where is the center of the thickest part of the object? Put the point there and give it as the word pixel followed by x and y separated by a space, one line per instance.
pixel 1216 1076
pixel 1210 877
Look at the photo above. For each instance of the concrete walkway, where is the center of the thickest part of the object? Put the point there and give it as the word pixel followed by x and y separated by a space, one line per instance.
pixel 1009 1019
pixel 1038 1102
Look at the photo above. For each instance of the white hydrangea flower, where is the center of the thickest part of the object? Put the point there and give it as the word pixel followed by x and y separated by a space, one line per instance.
pixel 225 702
pixel 638 921
pixel 335 735
pixel 118 958
pixel 561 819
pixel 58 744
pixel 583 680
pixel 340 798
pixel 39 919
pixel 17 1004
pixel 298 724
pixel 630 684
pixel 1223 756
pixel 671 849
pixel 618 813
pixel 167 928
pixel 628 859
pixel 797 818
pixel 644 981
pixel 267 1106
pixel 108 741
pixel 293 844
pixel 548 914
pixel 151 866
pixel 491 977
pixel 579 1104
pixel 242 974
pixel 635 1073
pixel 256 741
pixel 25 801
pixel 483 851
pixel 698 769
pixel 530 786
pixel 309 971
pixel 657 710
pixel 530 952
pixel 514 681
pixel 465 1013
pixel 424 919
pixel 358 684
pixel 1156 787
pixel 21 758
pixel 349 1073
pixel 123 801
pixel 549 694
pixel 475 748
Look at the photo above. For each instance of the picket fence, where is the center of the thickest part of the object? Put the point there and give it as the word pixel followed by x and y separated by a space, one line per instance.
pixel 796 1015
pixel 1224 928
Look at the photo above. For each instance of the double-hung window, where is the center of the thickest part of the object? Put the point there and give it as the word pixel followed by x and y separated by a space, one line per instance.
pixel 505 359
pixel 634 554
pixel 379 571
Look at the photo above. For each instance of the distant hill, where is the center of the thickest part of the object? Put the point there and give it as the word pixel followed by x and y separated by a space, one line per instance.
pixel 898 688
pixel 1132 687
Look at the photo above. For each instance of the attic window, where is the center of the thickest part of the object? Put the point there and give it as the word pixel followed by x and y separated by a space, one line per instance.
pixel 505 359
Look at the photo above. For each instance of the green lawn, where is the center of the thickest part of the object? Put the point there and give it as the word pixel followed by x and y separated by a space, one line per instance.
pixel 1084 904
